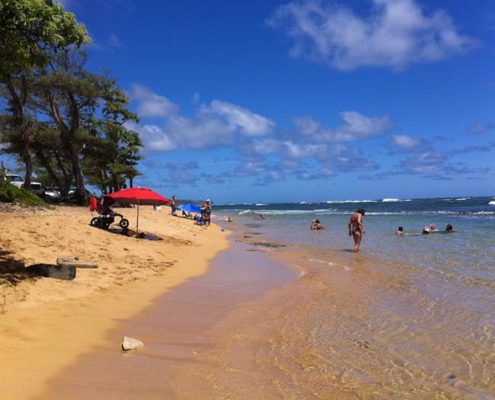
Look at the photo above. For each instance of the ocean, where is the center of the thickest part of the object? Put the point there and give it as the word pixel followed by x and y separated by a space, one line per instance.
pixel 409 317
pixel 468 254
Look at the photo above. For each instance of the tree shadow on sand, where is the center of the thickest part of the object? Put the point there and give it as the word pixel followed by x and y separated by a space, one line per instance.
pixel 13 271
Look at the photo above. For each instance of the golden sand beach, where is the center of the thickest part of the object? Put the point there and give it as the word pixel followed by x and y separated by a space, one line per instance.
pixel 48 323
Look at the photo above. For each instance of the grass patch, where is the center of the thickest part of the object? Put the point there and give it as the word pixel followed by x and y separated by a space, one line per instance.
pixel 11 194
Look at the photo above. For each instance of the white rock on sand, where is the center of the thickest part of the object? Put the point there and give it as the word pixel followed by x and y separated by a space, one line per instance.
pixel 130 343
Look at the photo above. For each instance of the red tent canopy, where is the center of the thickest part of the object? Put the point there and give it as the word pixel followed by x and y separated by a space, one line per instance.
pixel 140 196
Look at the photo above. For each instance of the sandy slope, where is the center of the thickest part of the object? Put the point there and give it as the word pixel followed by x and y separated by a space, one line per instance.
pixel 48 323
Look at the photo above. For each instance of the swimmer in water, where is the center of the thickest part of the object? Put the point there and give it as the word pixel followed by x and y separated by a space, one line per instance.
pixel 449 228
pixel 356 228
pixel 316 225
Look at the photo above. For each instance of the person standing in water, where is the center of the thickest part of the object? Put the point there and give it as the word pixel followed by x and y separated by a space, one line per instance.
pixel 356 228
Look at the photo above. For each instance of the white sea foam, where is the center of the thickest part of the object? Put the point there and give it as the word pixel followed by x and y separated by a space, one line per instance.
pixel 391 200
pixel 491 203
pixel 317 260
pixel 334 211
pixel 245 212
pixel 349 201
pixel 260 204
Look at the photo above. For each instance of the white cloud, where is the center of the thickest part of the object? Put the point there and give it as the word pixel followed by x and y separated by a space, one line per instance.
pixel 395 34
pixel 428 162
pixel 355 126
pixel 261 147
pixel 307 150
pixel 247 122
pixel 154 138
pixel 405 141
pixel 151 104
pixel 215 124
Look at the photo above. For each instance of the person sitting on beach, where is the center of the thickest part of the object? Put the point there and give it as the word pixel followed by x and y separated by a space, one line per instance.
pixel 449 228
pixel 356 228
pixel 316 225
pixel 186 214
pixel 400 231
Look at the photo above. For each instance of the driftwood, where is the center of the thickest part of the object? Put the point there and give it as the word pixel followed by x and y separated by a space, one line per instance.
pixel 76 262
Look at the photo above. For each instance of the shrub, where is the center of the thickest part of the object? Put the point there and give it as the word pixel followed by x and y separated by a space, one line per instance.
pixel 11 194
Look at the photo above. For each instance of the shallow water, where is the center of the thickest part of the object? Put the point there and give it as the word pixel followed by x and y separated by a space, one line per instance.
pixel 353 327
pixel 407 318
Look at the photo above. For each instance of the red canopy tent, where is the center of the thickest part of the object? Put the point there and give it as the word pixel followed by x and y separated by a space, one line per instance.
pixel 139 196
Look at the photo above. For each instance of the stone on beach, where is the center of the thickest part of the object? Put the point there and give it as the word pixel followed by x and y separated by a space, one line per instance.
pixel 130 343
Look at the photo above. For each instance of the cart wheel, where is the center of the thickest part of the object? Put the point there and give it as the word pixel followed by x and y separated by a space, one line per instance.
pixel 124 223
pixel 105 224
pixel 95 222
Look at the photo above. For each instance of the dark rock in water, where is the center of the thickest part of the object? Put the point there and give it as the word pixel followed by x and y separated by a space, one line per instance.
pixel 64 272
pixel 268 244
pixel 254 225
pixel 451 376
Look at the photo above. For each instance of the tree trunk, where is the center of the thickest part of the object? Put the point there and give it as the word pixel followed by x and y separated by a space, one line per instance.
pixel 28 163
pixel 45 162
pixel 19 116
pixel 78 176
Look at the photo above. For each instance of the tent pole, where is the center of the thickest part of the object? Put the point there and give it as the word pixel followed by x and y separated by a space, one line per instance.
pixel 137 222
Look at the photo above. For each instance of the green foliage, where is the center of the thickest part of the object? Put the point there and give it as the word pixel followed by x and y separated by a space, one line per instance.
pixel 11 194
pixel 30 29
pixel 66 124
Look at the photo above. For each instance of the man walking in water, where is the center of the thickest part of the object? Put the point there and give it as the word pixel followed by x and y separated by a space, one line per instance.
pixel 356 228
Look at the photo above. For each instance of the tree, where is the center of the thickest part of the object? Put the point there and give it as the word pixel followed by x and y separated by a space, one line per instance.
pixel 30 31
pixel 70 97
pixel 90 113
pixel 113 152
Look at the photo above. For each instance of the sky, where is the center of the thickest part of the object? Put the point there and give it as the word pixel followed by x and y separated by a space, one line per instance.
pixel 273 101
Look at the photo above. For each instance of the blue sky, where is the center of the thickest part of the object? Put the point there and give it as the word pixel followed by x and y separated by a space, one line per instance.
pixel 268 100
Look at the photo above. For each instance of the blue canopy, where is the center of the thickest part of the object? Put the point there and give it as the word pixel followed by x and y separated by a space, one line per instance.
pixel 189 208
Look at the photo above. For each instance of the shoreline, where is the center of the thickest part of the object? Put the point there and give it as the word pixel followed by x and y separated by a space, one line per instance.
pixel 50 323
pixel 177 329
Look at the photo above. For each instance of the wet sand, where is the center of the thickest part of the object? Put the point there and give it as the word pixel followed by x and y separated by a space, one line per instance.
pixel 177 330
